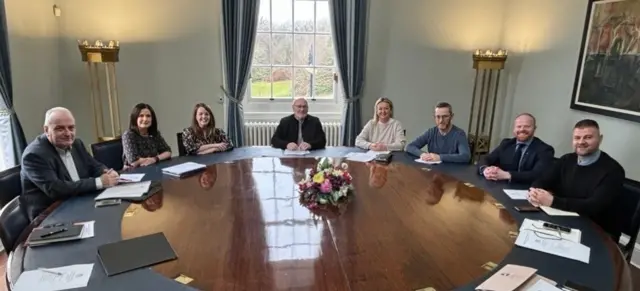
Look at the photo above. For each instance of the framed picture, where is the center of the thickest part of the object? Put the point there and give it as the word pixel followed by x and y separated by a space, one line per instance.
pixel 608 75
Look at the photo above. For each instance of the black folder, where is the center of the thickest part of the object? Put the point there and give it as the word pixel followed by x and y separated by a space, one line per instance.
pixel 54 234
pixel 127 255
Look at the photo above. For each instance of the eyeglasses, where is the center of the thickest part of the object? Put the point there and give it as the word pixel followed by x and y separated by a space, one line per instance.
pixel 442 116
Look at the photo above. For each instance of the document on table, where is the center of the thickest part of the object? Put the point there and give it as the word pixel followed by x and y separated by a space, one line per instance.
pixel 295 153
pixel 375 153
pixel 536 225
pixel 557 212
pixel 517 194
pixel 360 157
pixel 560 247
pixel 129 178
pixel 542 285
pixel 428 162
pixel 87 228
pixel 508 278
pixel 129 190
pixel 53 279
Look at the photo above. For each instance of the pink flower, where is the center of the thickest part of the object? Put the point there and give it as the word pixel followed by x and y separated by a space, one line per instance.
pixel 326 187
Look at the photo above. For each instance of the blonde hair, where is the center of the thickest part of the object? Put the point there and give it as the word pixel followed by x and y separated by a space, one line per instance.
pixel 375 107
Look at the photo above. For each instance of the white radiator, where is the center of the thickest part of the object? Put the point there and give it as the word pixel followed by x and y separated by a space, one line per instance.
pixel 260 133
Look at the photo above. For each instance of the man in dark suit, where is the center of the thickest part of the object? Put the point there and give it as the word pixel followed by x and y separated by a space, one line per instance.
pixel 299 131
pixel 57 166
pixel 521 159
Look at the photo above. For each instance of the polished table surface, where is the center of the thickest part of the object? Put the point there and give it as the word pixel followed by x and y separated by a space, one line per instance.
pixel 239 226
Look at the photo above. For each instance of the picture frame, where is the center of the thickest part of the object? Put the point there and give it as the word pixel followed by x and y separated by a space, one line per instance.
pixel 607 80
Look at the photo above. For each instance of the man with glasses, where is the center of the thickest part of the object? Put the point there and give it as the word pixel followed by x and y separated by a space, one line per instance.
pixel 445 142
pixel 299 131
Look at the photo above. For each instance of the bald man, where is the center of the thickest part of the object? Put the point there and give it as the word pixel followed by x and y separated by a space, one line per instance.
pixel 299 131
pixel 57 166
pixel 521 159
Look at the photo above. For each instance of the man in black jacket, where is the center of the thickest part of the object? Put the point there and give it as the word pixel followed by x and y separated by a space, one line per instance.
pixel 299 131
pixel 521 159
pixel 587 181
pixel 57 166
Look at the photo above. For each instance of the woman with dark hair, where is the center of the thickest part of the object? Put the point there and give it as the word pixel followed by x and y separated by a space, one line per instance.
pixel 142 143
pixel 203 137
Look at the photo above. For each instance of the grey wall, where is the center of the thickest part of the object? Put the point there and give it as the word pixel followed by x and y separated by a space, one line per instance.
pixel 419 53
pixel 33 48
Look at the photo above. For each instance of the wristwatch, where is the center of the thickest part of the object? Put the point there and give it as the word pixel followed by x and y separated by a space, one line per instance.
pixel 157 159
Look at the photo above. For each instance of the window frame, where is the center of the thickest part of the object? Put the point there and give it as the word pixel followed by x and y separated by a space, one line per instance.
pixel 7 151
pixel 271 108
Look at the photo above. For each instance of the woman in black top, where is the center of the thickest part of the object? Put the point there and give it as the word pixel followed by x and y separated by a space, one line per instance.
pixel 142 143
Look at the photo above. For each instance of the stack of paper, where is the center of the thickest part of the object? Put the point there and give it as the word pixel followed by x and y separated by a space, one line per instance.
pixel 541 242
pixel 508 278
pixel 360 157
pixel 63 278
pixel 517 194
pixel 123 191
pixel 183 169
pixel 375 153
pixel 295 153
pixel 428 162
pixel 536 225
pixel 557 212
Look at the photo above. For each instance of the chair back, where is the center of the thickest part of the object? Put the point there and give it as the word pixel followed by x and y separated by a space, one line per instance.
pixel 629 211
pixel 110 153
pixel 181 150
pixel 10 185
pixel 13 222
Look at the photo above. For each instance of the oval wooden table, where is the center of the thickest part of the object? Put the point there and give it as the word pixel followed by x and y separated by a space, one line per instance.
pixel 240 226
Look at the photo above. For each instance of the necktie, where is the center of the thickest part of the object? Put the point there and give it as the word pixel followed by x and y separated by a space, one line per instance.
pixel 517 156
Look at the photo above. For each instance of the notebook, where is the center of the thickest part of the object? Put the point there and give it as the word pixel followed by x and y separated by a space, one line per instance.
pixel 183 169
pixel 40 236
pixel 131 254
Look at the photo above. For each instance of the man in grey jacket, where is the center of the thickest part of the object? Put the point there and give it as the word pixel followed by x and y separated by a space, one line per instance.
pixel 57 166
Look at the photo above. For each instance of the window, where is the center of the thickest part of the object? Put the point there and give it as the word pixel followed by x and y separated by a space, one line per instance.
pixel 293 57
pixel 6 140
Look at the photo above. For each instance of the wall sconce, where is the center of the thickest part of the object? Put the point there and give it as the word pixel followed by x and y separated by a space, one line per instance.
pixel 103 57
pixel 487 63
pixel 56 11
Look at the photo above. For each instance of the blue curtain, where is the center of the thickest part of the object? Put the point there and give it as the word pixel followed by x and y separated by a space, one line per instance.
pixel 349 24
pixel 240 19
pixel 6 89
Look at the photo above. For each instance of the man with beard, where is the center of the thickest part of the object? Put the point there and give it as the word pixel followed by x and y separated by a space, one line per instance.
pixel 57 166
pixel 445 142
pixel 300 130
pixel 588 181
pixel 520 159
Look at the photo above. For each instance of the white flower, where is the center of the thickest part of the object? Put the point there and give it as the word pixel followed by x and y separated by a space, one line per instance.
pixel 344 166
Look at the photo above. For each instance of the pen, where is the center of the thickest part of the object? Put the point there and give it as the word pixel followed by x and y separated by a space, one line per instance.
pixel 54 232
pixel 54 225
pixel 50 272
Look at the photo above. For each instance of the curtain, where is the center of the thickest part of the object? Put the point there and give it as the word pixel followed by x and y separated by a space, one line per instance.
pixel 6 89
pixel 349 24
pixel 239 23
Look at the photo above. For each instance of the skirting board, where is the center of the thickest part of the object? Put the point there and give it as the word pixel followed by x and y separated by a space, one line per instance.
pixel 635 258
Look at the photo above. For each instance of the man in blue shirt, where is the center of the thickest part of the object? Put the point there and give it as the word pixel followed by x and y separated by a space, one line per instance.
pixel 521 159
pixel 445 142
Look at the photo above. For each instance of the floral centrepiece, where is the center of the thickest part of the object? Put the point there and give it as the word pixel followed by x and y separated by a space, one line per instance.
pixel 328 184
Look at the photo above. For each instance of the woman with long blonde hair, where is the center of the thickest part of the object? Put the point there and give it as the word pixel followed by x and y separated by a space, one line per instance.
pixel 383 132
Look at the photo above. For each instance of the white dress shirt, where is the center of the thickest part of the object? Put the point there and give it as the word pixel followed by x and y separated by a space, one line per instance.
pixel 67 159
